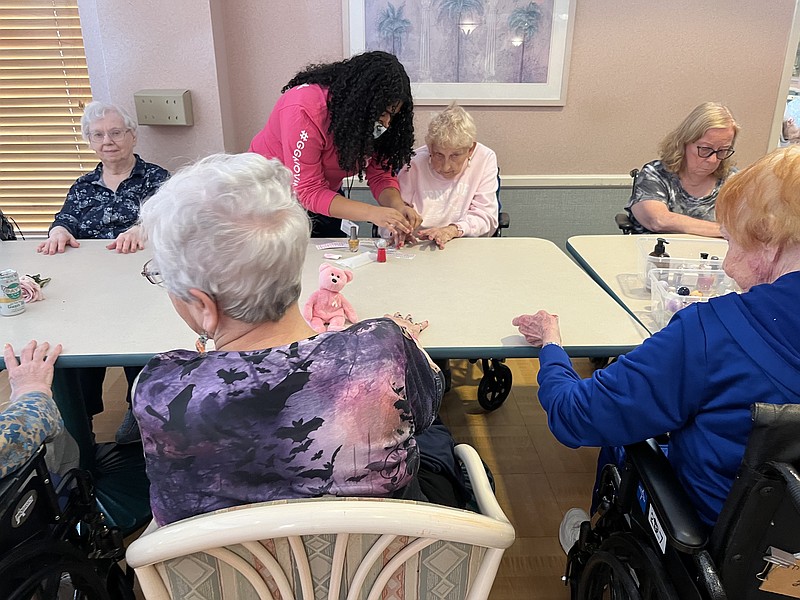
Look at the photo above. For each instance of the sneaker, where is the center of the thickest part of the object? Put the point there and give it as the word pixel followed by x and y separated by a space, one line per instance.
pixel 570 529
pixel 128 432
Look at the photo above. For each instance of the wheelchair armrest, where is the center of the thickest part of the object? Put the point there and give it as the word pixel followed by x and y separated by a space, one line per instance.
pixel 503 220
pixel 678 516
pixel 624 222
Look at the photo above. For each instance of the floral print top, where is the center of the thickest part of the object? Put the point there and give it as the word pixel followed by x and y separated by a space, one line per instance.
pixel 333 414
pixel 26 424
pixel 93 211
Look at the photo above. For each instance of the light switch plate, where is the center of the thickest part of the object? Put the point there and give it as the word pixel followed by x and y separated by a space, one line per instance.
pixel 164 107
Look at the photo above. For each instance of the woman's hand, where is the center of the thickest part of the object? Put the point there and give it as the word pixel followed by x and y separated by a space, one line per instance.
pixel 412 216
pixel 406 323
pixel 129 241
pixel 391 219
pixel 34 371
pixel 439 235
pixel 57 241
pixel 539 329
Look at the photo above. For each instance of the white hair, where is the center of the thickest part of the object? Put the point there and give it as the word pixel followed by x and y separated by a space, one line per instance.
pixel 94 111
pixel 230 226
pixel 452 128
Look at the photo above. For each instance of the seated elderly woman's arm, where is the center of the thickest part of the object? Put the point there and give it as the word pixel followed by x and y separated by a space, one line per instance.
pixel 637 397
pixel 656 216
pixel 65 224
pixel 32 417
pixel 483 210
pixel 58 239
pixel 129 241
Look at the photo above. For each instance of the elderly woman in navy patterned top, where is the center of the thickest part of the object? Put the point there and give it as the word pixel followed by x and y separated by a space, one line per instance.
pixel 104 204
pixel 277 410
pixel 678 192
pixel 32 417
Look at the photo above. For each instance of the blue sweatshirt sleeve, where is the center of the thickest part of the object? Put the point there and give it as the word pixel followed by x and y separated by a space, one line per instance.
pixel 644 393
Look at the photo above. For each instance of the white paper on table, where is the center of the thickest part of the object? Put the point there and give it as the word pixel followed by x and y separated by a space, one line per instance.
pixel 359 260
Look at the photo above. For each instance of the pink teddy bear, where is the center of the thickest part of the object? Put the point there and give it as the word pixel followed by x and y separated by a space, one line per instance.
pixel 327 306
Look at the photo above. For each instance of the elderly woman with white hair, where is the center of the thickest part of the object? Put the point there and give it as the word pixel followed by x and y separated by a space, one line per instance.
pixel 104 204
pixel 452 180
pixel 276 410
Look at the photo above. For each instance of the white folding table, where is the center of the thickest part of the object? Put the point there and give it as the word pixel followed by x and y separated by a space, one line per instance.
pixel 105 314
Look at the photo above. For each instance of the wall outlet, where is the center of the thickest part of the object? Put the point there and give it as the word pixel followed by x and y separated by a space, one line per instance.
pixel 164 107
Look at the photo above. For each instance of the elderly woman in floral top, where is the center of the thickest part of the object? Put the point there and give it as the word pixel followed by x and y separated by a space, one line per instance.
pixel 32 417
pixel 104 204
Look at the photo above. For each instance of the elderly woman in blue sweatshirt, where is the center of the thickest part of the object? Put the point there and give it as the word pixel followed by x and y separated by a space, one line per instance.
pixel 698 377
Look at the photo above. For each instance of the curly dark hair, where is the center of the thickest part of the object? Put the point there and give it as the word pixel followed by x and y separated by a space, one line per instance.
pixel 360 89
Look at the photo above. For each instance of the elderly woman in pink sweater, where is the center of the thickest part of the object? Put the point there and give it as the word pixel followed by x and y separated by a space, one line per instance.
pixel 452 181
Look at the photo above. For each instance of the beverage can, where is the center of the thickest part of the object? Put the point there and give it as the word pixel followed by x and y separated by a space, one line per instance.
pixel 11 302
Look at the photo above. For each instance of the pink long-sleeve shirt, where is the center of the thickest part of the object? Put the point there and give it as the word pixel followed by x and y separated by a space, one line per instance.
pixel 468 201
pixel 297 134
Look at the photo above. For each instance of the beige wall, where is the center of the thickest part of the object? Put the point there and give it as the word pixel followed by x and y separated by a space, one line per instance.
pixel 636 69
pixel 161 45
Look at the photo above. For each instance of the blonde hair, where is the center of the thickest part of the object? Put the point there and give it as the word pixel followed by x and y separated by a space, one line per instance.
pixel 452 128
pixel 761 204
pixel 709 115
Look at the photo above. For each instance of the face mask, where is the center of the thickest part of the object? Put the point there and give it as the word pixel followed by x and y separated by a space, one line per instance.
pixel 378 130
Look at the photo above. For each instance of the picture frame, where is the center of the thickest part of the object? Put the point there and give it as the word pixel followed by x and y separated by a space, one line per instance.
pixel 479 52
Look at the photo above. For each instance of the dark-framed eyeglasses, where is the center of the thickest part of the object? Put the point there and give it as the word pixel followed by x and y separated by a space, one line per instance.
pixel 152 274
pixel 115 135
pixel 722 153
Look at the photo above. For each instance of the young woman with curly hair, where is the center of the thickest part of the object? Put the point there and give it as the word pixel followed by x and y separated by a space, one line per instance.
pixel 337 120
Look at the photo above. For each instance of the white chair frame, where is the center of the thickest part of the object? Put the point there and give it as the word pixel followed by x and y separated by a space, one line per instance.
pixel 390 519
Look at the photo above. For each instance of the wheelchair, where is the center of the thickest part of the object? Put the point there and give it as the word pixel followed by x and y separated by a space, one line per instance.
pixel 623 219
pixel 646 540
pixel 54 541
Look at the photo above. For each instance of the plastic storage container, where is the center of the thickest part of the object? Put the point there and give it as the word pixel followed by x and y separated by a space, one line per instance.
pixel 674 289
pixel 684 253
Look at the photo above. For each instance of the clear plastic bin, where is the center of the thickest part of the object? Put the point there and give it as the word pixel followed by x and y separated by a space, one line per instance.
pixel 684 253
pixel 668 296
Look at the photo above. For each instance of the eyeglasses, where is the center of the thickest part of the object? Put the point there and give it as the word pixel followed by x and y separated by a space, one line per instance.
pixel 115 135
pixel 152 274
pixel 722 153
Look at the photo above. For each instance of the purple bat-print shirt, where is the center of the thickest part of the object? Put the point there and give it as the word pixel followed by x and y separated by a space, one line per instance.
pixel 333 414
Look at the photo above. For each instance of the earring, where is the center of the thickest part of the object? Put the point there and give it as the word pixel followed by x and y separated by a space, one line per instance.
pixel 201 342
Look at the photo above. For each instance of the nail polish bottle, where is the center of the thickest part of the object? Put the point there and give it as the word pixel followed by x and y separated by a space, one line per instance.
pixel 381 246
pixel 352 243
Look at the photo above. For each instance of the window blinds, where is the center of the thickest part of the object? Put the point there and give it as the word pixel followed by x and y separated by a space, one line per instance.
pixel 44 85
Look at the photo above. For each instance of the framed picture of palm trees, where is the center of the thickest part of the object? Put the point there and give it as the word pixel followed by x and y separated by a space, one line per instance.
pixel 479 52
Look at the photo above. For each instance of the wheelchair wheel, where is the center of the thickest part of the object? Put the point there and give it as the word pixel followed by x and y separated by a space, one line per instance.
pixel 605 576
pixel 624 568
pixel 495 385
pixel 52 571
